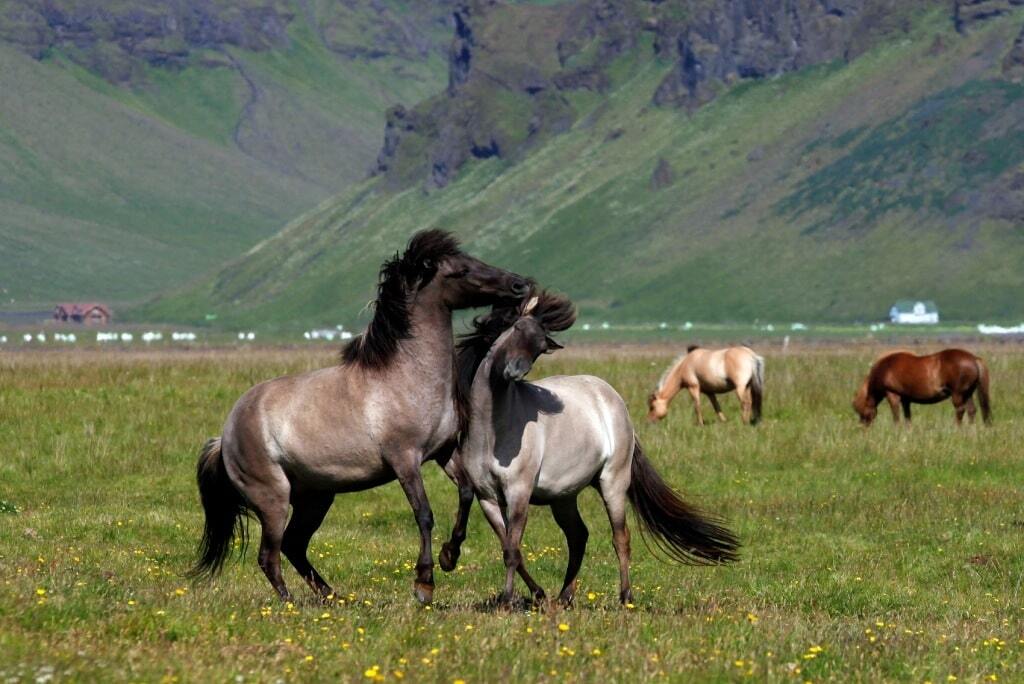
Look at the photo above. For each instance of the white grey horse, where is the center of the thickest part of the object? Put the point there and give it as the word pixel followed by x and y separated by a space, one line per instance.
pixel 544 442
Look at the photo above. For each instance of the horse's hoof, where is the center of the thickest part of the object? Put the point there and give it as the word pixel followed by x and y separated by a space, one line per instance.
pixel 448 558
pixel 566 600
pixel 626 598
pixel 424 593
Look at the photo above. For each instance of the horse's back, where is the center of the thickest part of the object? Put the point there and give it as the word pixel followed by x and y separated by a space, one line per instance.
pixel 927 378
pixel 302 425
pixel 591 432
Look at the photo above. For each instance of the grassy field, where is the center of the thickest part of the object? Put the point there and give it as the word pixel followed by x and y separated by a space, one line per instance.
pixel 889 554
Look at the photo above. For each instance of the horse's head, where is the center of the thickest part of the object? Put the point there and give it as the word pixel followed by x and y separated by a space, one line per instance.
pixel 865 407
pixel 435 259
pixel 657 408
pixel 529 336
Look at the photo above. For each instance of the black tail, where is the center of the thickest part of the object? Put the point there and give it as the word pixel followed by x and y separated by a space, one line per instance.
pixel 677 528
pixel 986 408
pixel 757 390
pixel 226 512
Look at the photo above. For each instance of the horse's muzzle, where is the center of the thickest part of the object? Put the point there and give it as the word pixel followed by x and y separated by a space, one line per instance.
pixel 516 369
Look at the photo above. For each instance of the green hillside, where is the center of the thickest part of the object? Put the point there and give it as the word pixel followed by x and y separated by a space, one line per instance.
pixel 823 194
pixel 139 151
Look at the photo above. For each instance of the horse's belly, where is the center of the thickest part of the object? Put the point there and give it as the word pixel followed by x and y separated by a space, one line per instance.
pixel 716 385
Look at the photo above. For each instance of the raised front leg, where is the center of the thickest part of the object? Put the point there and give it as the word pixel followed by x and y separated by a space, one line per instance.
pixel 718 408
pixel 497 521
pixel 695 395
pixel 412 484
pixel 448 558
pixel 894 405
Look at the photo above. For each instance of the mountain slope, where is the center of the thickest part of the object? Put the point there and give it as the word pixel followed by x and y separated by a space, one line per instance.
pixel 143 143
pixel 824 193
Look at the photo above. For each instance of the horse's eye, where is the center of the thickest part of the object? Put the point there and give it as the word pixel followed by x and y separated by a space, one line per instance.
pixel 461 273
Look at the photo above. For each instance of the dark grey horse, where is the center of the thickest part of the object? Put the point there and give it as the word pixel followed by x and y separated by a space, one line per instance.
pixel 388 407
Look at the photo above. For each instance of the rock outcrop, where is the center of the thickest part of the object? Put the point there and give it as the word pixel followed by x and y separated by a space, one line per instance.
pixel 116 39
pixel 966 13
pixel 1013 63
pixel 113 39
pixel 735 39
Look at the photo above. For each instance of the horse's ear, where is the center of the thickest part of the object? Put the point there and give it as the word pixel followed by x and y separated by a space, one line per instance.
pixel 530 305
pixel 552 345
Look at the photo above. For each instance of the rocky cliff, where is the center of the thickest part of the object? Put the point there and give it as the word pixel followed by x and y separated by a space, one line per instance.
pixel 513 70
pixel 114 39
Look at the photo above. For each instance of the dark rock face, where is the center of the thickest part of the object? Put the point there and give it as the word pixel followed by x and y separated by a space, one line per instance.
pixel 969 12
pixel 1013 63
pixel 663 175
pixel 108 37
pixel 735 39
pixel 510 67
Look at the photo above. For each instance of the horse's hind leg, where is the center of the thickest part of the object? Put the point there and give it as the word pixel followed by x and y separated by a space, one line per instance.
pixel 906 409
pixel 271 506
pixel 695 394
pixel 567 515
pixel 894 404
pixel 972 410
pixel 497 521
pixel 308 513
pixel 718 408
pixel 614 496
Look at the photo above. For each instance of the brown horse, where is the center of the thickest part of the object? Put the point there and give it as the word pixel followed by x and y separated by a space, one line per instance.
pixel 390 405
pixel 905 378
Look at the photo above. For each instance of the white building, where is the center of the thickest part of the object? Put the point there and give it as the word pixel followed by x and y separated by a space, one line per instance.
pixel 909 311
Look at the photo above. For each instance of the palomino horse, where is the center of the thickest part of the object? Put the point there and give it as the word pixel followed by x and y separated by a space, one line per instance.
pixel 712 371
pixel 905 378
pixel 388 407
pixel 545 442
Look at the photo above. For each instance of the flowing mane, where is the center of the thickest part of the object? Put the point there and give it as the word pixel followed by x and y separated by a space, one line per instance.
pixel 399 277
pixel 555 313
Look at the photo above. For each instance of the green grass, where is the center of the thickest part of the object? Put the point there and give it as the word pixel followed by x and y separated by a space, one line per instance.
pixel 803 197
pixel 881 555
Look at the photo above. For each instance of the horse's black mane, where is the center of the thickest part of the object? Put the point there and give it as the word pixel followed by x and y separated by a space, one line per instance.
pixel 692 347
pixel 554 312
pixel 399 277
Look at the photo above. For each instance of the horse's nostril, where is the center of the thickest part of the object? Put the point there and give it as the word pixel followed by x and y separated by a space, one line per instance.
pixel 520 286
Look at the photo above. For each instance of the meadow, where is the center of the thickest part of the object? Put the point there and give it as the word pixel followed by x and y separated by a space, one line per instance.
pixel 887 554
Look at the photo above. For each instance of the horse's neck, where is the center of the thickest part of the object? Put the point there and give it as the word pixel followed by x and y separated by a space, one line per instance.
pixel 431 346
pixel 671 383
pixel 486 398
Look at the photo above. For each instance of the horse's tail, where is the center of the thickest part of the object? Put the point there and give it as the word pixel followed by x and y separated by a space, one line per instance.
pixel 983 399
pixel 678 529
pixel 757 389
pixel 226 512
